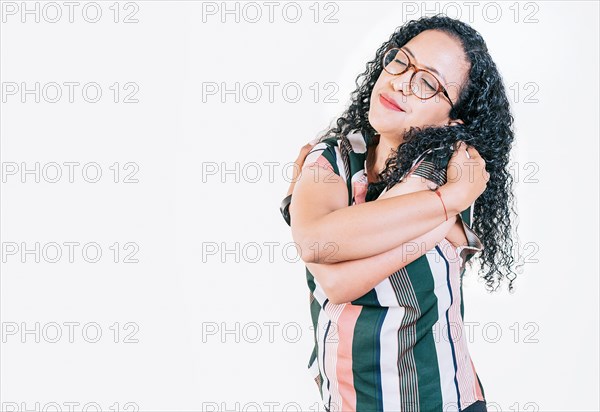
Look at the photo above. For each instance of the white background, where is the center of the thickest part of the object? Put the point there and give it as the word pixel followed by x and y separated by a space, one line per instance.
pixel 195 316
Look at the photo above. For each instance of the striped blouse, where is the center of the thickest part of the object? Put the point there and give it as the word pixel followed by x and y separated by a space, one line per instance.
pixel 402 346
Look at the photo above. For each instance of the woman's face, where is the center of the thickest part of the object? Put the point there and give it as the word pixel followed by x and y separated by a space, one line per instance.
pixel 434 51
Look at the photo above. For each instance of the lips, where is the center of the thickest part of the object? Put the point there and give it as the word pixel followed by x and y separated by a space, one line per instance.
pixel 390 103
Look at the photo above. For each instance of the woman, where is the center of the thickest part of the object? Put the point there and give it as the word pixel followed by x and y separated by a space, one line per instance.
pixel 385 276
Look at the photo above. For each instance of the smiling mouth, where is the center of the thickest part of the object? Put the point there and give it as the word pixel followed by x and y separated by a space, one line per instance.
pixel 389 104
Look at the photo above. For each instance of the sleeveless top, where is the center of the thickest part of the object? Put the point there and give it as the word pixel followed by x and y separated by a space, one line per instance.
pixel 402 346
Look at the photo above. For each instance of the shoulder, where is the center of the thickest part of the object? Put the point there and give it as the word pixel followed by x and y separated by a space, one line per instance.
pixel 426 172
pixel 324 154
pixel 328 154
pixel 431 166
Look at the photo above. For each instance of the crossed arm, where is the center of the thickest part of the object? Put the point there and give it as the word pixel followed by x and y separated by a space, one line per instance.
pixel 347 280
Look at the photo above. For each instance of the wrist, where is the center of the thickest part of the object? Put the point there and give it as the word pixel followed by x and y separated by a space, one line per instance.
pixel 451 199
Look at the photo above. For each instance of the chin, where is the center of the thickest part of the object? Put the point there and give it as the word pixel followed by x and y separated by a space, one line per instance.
pixel 387 125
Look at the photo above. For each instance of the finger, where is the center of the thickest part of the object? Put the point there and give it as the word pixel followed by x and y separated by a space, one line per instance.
pixel 458 145
pixel 472 152
pixel 306 148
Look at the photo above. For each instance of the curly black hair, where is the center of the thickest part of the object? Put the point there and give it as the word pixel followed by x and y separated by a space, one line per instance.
pixel 485 110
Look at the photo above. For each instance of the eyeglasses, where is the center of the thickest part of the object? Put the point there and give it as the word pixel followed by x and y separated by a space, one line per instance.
pixel 423 83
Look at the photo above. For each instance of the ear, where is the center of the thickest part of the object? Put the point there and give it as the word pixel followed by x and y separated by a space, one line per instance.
pixel 455 122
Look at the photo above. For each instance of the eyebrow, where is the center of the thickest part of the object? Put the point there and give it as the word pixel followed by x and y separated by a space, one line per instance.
pixel 427 67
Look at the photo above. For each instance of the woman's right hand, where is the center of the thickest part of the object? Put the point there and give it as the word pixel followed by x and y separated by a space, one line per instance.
pixel 466 177
pixel 299 162
pixel 304 150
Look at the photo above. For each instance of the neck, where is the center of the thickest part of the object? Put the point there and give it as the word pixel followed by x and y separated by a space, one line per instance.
pixel 378 156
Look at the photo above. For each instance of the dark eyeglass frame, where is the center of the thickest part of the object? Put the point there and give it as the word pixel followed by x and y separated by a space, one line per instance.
pixel 416 69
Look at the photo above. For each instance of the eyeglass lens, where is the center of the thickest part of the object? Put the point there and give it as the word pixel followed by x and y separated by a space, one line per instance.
pixel 423 84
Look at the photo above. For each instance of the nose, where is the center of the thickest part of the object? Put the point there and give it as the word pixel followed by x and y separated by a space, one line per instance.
pixel 401 82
